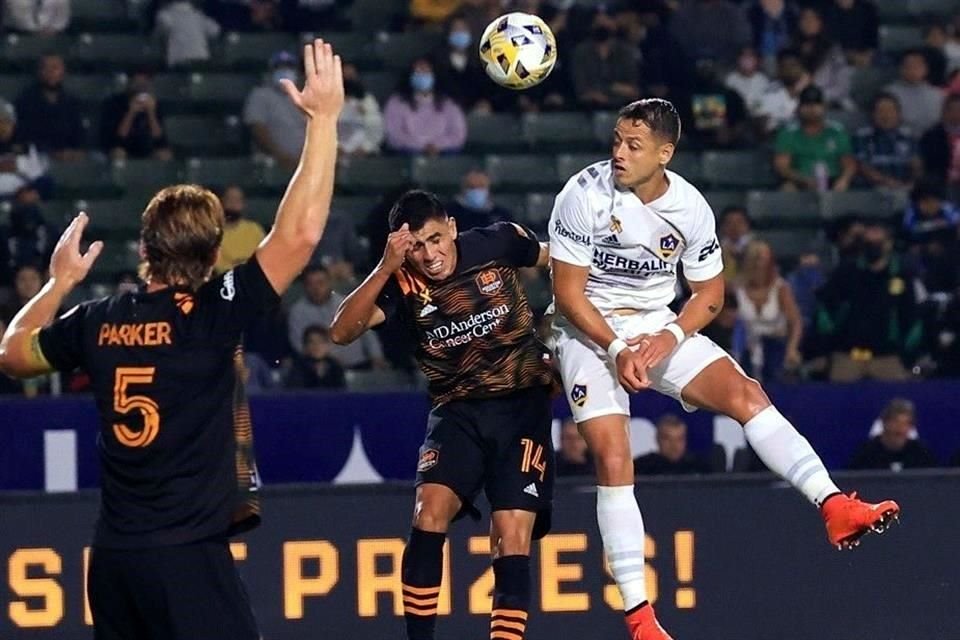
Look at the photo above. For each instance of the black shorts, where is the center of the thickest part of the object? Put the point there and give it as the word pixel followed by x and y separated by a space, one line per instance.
pixel 502 445
pixel 183 592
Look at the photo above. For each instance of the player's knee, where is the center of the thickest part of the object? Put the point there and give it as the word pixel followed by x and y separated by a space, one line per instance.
pixel 431 516
pixel 512 544
pixel 749 399
pixel 614 468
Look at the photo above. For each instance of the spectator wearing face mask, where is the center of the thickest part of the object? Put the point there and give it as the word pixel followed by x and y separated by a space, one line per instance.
pixel 28 239
pixel 458 69
pixel 422 119
pixel 360 127
pixel 277 125
pixel 473 206
pixel 241 236
pixel 604 68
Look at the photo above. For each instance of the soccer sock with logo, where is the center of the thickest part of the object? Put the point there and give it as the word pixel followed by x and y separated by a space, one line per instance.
pixel 511 597
pixel 789 454
pixel 621 527
pixel 421 573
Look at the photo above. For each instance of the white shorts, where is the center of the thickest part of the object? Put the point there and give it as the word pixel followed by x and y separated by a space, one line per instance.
pixel 590 379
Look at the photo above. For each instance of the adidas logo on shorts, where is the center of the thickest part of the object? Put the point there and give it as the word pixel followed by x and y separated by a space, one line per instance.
pixel 531 489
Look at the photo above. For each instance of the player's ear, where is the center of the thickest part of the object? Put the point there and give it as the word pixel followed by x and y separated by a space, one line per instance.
pixel 452 226
pixel 666 152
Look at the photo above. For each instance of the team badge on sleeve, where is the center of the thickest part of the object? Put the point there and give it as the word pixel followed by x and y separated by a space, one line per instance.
pixel 579 394
pixel 428 460
pixel 668 245
pixel 489 282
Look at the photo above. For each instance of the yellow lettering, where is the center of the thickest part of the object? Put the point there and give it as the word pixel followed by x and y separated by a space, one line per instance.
pixel 103 335
pixel 47 589
pixel 297 586
pixel 481 591
pixel 371 583
pixel 163 333
pixel 552 573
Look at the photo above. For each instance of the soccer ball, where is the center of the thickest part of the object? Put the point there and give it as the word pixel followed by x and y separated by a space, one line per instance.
pixel 518 50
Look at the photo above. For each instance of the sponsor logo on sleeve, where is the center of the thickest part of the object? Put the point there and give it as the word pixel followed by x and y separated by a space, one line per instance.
pixel 228 290
pixel 563 232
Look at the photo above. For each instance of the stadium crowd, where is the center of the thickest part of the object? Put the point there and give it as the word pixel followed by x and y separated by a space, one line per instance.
pixel 825 133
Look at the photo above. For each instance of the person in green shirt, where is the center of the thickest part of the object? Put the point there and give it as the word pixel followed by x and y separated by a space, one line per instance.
pixel 812 152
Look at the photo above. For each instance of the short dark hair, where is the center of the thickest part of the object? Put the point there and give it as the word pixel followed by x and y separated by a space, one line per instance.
pixel 310 269
pixel 316 329
pixel 658 114
pixel 788 52
pixel 415 208
pixel 898 407
pixel 670 420
pixel 735 208
pixel 884 95
pixel 914 52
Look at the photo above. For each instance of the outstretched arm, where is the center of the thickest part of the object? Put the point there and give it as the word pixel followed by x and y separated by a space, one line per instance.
pixel 20 354
pixel 305 206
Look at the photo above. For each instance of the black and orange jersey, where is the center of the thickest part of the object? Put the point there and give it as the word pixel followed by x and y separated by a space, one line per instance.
pixel 175 441
pixel 475 329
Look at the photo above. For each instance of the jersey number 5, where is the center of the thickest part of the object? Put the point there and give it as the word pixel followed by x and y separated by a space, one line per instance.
pixel 124 403
pixel 532 457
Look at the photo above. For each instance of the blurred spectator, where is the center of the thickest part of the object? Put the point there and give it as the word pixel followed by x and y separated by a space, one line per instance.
pixel 433 11
pixel 131 122
pixel 360 127
pixel 8 386
pixel 573 458
pixel 241 236
pixel 894 449
pixel 28 239
pixel 868 314
pixel 126 282
pixel 459 69
pixel 940 148
pixel 187 30
pixel 920 102
pixel 931 227
pixel 748 80
pixel 778 105
pixel 735 233
pixel 951 47
pixel 714 29
pixel 28 279
pixel 604 68
pixel 340 249
pixel 773 23
pixel 478 14
pixel 671 457
pixel 317 307
pixel 727 330
pixel 49 117
pixel 315 368
pixel 823 59
pixel 886 150
pixel 814 153
pixel 769 311
pixel 422 119
pixel 42 17
pixel 853 24
pixel 313 15
pixel 805 279
pixel 714 115
pixel 846 234
pixel 474 206
pixel 246 15
pixel 277 126
pixel 946 345
pixel 19 168
pixel 935 41
pixel 665 68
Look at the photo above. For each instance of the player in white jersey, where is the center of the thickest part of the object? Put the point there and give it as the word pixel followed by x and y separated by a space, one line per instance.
pixel 619 232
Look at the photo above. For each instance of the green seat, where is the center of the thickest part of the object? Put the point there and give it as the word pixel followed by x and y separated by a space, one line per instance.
pixel 373 174
pixel 205 135
pixel 900 37
pixel 603 124
pixel 91 89
pixel 12 84
pixel 353 47
pixel 99 16
pixel 20 52
pixel 354 208
pixel 252 51
pixel 558 131
pixel 738 169
pixel 866 83
pixel 523 172
pixel 720 200
pixel 500 132
pixel 866 204
pixel 443 173
pixel 688 164
pixel 216 173
pixel 380 83
pixel 372 16
pixel 775 209
pixel 85 179
pixel 146 174
pixel 788 245
pixel 537 211
pixel 399 50
pixel 113 218
pixel 211 92
pixel 570 164
pixel 114 51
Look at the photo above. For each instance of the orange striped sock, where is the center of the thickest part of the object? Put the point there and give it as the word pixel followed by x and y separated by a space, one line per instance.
pixel 511 598
pixel 421 574
pixel 508 624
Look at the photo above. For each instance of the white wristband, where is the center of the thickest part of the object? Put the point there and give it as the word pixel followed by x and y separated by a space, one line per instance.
pixel 615 348
pixel 677 332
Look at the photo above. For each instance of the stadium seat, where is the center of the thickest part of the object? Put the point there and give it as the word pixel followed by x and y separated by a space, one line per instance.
pixel 146 174
pixel 99 16
pixel 20 52
pixel 262 209
pixel 558 131
pixel 443 173
pixel 399 50
pixel 516 203
pixel 12 84
pixel 252 51
pixel 738 169
pixel 352 47
pixel 775 209
pixel 522 172
pixel 374 16
pixel 87 179
pixel 354 208
pixel 206 136
pixel 114 52
pixel 569 164
pixel 603 123
pixel 788 245
pixel 216 173
pixel 114 218
pixel 896 38
pixel 500 132
pixel 380 83
pixel 538 209
pixel 378 380
pixel 720 200
pixel 217 92
pixel 689 165
pixel 867 204
pixel 91 89
pixel 867 82
pixel 851 120
pixel 372 175
pixel 116 258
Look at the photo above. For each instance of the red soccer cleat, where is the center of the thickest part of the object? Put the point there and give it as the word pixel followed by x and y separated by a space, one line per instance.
pixel 643 625
pixel 848 518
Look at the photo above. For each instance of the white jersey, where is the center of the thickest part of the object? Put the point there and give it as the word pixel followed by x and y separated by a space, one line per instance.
pixel 633 249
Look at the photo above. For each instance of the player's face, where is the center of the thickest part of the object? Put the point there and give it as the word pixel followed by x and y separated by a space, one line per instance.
pixel 672 441
pixel 434 253
pixel 896 431
pixel 638 154
pixel 886 114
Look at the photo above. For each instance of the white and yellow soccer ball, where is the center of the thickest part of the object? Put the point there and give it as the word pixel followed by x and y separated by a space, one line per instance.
pixel 518 50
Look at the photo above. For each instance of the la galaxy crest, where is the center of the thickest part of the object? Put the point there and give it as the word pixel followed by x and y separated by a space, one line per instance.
pixel 578 395
pixel 669 245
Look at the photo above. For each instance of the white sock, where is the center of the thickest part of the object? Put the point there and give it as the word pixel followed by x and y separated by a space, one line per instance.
pixel 789 454
pixel 621 527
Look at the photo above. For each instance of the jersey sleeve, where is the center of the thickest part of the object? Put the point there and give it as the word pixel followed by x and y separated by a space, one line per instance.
pixel 702 258
pixel 61 342
pixel 390 297
pixel 515 244
pixel 571 228
pixel 238 295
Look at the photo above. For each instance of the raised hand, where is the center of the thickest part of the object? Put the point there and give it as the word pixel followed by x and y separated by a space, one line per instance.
pixel 322 93
pixel 398 243
pixel 67 264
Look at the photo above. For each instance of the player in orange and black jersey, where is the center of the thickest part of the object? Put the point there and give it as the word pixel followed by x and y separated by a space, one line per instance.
pixel 490 381
pixel 175 444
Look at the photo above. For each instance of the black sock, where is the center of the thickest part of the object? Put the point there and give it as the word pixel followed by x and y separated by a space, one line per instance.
pixel 421 574
pixel 511 597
